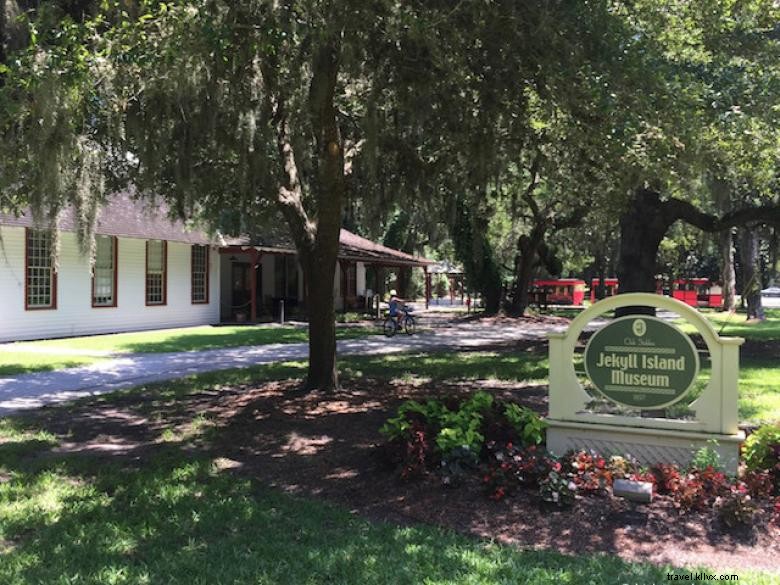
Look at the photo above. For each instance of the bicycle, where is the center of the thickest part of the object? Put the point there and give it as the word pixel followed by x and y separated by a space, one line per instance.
pixel 393 325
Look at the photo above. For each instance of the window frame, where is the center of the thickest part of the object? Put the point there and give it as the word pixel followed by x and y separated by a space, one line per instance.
pixel 115 296
pixel 206 275
pixel 164 301
pixel 53 275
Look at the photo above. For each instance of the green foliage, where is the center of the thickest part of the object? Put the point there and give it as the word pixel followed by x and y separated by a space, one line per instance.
pixel 707 457
pixel 558 488
pixel 529 425
pixel 761 451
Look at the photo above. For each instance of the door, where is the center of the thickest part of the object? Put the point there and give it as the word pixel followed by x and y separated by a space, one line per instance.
pixel 241 286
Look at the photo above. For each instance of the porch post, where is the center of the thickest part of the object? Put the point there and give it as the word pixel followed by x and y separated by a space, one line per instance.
pixel 427 286
pixel 253 257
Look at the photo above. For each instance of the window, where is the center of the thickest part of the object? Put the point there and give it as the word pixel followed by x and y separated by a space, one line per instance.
pixel 156 267
pixel 41 279
pixel 104 275
pixel 200 274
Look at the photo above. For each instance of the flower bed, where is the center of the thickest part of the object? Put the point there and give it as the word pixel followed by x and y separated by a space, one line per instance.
pixel 504 444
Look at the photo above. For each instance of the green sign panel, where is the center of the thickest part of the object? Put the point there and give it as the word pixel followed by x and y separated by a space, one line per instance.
pixel 641 362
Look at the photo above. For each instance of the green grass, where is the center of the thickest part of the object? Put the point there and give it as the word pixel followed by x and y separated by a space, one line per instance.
pixel 158 341
pixel 735 325
pixel 194 338
pixel 21 362
pixel 759 391
pixel 178 518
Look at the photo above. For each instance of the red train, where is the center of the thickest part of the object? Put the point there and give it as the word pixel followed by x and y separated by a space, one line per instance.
pixel 562 291
pixel 610 288
pixel 696 292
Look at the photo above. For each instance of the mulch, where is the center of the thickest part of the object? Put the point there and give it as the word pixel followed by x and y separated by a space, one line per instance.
pixel 324 446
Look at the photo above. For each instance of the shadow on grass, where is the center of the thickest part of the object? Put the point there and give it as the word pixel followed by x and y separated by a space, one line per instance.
pixel 504 365
pixel 178 517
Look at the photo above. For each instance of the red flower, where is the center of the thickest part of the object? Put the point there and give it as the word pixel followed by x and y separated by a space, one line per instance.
pixel 509 445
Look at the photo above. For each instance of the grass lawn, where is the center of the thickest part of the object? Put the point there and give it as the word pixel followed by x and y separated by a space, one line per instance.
pixel 158 341
pixel 179 516
pixel 22 362
pixel 735 325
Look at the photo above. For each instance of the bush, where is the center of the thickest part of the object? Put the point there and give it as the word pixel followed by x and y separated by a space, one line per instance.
pixel 761 452
pixel 455 433
pixel 706 458
pixel 735 509
pixel 589 472
pixel 700 489
pixel 528 425
pixel 558 488
pixel 511 467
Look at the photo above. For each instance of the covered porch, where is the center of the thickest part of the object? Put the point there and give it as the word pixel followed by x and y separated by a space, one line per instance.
pixel 258 280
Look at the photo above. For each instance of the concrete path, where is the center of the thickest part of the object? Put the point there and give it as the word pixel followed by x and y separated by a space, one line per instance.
pixel 36 389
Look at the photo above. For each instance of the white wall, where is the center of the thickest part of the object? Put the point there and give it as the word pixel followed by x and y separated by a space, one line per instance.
pixel 75 315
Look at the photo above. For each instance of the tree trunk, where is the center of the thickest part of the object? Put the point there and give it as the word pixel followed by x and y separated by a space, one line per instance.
pixel 751 275
pixel 475 252
pixel 642 227
pixel 527 253
pixel 728 275
pixel 317 240
pixel 322 374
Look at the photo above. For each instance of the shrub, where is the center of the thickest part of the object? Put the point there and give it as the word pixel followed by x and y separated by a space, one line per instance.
pixel 759 484
pixel 621 467
pixel 700 488
pixel 461 428
pixel 736 508
pixel 511 467
pixel 761 452
pixel 527 424
pixel 667 478
pixel 706 457
pixel 590 472
pixel 558 488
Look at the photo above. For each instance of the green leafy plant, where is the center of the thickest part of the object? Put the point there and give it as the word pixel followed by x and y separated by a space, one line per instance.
pixel 761 452
pixel 558 488
pixel 707 457
pixel 528 425
pixel 396 427
pixel 462 428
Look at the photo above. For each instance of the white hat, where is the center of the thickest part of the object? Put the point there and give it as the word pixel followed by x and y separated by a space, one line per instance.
pixel 392 292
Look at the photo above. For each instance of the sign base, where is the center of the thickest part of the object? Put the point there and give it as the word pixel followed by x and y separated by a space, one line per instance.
pixel 647 446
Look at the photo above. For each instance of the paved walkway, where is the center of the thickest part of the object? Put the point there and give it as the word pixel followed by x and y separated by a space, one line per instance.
pixel 36 389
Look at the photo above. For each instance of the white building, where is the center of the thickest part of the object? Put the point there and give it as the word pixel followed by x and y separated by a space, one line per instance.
pixel 152 273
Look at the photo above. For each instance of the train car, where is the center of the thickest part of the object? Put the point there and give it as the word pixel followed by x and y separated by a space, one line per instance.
pixel 562 291
pixel 610 288
pixel 697 292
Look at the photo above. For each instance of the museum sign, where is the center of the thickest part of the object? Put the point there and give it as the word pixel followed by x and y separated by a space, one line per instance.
pixel 641 362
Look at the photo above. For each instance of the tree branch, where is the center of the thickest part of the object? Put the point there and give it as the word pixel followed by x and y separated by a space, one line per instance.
pixel 676 209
